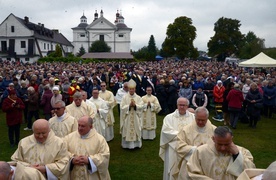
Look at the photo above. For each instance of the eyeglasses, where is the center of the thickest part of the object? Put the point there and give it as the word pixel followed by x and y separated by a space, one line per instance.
pixel 103 86
pixel 57 108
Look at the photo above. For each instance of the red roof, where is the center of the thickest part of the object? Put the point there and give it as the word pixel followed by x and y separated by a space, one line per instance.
pixel 107 55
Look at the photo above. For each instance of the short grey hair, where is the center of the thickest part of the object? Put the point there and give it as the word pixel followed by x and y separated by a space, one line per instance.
pixel 202 109
pixel 188 102
pixel 90 121
pixel 171 82
pixel 31 88
pixel 222 131
pixel 60 102
pixel 77 95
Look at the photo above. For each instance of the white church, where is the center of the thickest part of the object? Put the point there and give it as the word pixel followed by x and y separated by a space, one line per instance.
pixel 116 35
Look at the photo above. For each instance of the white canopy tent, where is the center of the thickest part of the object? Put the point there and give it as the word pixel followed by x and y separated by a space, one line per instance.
pixel 260 60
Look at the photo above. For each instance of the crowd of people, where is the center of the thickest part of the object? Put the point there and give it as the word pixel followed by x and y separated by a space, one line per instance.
pixel 77 101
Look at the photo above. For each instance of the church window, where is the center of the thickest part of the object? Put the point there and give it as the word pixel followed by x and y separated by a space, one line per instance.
pixel 23 44
pixel 82 35
pixel 101 37
pixel 121 35
pixel 12 28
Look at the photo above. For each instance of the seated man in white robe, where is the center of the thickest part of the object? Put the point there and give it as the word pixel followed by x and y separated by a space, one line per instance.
pixel 41 155
pixel 131 120
pixel 189 138
pixel 62 123
pixel 219 158
pixel 151 108
pixel 172 124
pixel 111 103
pixel 89 152
pixel 78 108
pixel 259 174
pixel 100 118
pixel 6 172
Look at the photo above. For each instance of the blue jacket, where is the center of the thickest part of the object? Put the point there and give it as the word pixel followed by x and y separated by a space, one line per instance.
pixel 269 95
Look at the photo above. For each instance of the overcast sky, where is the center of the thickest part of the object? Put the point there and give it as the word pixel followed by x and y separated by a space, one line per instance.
pixel 147 17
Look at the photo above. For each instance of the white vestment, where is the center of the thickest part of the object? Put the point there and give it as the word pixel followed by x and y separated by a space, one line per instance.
pixel 149 116
pixel 188 139
pixel 63 125
pixel 96 148
pixel 251 174
pixel 131 121
pixel 82 110
pixel 100 123
pixel 119 96
pixel 52 153
pixel 207 163
pixel 172 124
pixel 111 103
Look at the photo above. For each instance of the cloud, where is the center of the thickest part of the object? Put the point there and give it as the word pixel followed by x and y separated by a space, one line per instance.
pixel 150 17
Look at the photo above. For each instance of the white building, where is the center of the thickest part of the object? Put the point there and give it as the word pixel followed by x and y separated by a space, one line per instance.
pixel 117 35
pixel 25 41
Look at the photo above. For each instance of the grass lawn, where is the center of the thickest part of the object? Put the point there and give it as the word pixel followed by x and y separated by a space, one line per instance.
pixel 145 163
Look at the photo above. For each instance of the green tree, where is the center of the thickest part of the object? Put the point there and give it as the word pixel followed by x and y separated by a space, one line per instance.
pixel 57 52
pixel 252 46
pixel 227 40
pixel 271 52
pixel 180 37
pixel 142 53
pixel 99 46
pixel 152 49
pixel 81 52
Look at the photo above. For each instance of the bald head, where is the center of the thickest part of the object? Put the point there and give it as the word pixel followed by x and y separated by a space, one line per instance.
pixel 85 123
pixel 41 129
pixel 41 123
pixel 5 171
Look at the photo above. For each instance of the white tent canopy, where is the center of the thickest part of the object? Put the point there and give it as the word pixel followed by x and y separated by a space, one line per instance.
pixel 260 60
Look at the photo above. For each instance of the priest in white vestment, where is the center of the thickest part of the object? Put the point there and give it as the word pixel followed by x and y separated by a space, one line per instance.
pixel 89 152
pixel 100 119
pixel 151 108
pixel 111 103
pixel 189 138
pixel 93 106
pixel 119 96
pixel 131 120
pixel 172 124
pixel 42 154
pixel 62 123
pixel 219 158
pixel 78 108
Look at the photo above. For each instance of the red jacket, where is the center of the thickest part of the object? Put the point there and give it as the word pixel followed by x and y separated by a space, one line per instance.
pixel 218 93
pixel 13 114
pixel 235 98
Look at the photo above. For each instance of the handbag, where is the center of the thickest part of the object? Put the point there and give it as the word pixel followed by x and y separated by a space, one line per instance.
pixel 258 105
